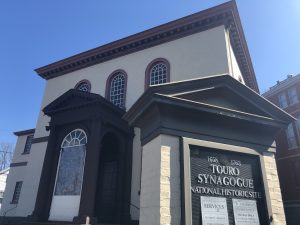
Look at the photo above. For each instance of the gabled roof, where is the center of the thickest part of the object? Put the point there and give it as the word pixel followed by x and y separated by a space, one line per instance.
pixel 225 14
pixel 220 95
pixel 73 99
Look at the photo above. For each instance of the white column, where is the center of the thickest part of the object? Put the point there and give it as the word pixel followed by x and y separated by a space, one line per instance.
pixel 160 184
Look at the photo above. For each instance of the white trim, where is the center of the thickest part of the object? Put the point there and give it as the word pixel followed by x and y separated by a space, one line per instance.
pixel 85 136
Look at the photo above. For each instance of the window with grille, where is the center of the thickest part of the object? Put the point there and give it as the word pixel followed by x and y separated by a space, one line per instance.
pixel 282 100
pixel 290 134
pixel 17 192
pixel 292 95
pixel 117 90
pixel 158 73
pixel 28 144
pixel 69 177
pixel 83 86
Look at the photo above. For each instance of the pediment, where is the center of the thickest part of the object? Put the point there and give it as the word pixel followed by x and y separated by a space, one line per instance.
pixel 73 99
pixel 221 95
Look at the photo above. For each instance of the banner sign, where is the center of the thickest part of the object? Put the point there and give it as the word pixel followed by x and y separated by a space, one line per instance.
pixel 227 182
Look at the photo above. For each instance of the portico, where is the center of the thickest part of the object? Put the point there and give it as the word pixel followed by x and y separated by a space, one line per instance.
pixel 104 194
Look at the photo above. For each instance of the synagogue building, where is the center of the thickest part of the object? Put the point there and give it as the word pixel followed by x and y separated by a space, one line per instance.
pixel 165 126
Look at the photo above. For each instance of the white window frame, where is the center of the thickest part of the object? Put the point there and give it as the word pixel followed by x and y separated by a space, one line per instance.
pixel 117 90
pixel 158 74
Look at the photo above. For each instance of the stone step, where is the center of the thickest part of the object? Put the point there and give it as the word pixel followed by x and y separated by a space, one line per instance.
pixel 20 222
pixel 48 223
pixel 64 223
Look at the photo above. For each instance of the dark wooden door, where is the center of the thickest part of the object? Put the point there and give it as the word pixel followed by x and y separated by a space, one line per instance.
pixel 107 188
pixel 108 192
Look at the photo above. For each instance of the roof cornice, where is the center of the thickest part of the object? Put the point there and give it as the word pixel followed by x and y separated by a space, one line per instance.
pixel 225 14
pixel 281 86
pixel 24 132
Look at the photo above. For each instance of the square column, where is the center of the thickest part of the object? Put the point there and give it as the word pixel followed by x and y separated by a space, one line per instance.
pixel 160 182
pixel 273 189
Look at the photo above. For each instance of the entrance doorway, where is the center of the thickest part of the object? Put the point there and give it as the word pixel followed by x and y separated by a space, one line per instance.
pixel 108 173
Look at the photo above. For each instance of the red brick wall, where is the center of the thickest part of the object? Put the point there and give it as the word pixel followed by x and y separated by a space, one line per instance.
pixel 288 159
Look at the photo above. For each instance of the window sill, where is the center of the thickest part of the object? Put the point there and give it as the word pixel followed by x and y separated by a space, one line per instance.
pixel 293 104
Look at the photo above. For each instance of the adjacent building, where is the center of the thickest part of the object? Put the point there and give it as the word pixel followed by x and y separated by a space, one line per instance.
pixel 3 177
pixel 286 95
pixel 162 127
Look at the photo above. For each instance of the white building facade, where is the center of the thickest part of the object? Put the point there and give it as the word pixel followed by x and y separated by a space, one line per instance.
pixel 113 139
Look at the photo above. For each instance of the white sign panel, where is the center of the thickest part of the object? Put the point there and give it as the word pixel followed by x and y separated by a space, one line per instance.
pixel 214 211
pixel 245 212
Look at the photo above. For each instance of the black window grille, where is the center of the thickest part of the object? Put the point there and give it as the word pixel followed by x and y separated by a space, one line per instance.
pixel 28 144
pixel 17 192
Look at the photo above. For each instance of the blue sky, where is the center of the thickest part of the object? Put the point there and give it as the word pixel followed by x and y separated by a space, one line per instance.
pixel 38 32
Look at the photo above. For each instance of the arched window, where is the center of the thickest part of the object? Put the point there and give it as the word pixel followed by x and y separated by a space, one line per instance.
pixel 116 88
pixel 71 164
pixel 157 72
pixel 83 85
